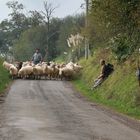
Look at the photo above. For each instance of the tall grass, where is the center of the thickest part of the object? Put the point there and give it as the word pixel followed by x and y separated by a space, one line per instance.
pixel 4 77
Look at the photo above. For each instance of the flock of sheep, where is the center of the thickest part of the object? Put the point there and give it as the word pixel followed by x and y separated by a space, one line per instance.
pixel 44 70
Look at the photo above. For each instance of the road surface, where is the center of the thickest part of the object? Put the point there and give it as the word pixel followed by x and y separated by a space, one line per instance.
pixel 52 110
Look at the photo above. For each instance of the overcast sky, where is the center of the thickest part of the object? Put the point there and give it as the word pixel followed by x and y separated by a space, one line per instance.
pixel 66 7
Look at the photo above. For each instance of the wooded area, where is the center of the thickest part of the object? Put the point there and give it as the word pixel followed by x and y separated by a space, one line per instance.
pixel 21 33
pixel 111 23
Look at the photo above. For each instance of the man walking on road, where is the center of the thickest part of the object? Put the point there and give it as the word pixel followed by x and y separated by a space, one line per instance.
pixel 37 57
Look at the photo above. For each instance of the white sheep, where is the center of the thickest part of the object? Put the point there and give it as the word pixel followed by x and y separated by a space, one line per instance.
pixel 25 72
pixel 77 68
pixel 27 63
pixel 13 71
pixel 70 70
pixel 38 71
pixel 66 72
pixel 7 65
pixel 55 71
pixel 70 65
pixel 48 71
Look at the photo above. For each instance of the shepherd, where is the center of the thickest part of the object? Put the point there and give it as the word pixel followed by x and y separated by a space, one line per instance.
pixel 37 57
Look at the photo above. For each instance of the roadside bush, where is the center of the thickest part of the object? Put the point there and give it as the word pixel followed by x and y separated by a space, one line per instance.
pixel 122 47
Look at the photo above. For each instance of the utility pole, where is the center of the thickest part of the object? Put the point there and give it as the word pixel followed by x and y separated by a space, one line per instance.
pixel 86 25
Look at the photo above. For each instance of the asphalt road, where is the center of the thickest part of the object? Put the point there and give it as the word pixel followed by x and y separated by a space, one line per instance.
pixel 52 110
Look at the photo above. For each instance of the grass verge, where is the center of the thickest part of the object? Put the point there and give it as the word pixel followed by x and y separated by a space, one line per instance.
pixel 4 78
pixel 120 91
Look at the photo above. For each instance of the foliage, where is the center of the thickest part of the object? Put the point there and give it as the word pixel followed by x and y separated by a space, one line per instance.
pixel 54 33
pixel 70 25
pixel 122 47
pixel 21 33
pixel 108 18
pixel 30 40
pixel 36 18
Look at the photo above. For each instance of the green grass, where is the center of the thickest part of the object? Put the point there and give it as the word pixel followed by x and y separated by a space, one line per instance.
pixel 120 91
pixel 4 78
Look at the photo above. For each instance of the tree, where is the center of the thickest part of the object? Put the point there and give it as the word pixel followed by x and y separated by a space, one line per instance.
pixel 36 18
pixel 29 40
pixel 12 27
pixel 5 36
pixel 53 37
pixel 70 25
pixel 17 23
pixel 22 33
pixel 17 18
pixel 49 10
pixel 115 18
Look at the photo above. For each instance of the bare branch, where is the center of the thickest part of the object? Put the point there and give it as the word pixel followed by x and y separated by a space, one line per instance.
pixel 49 9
